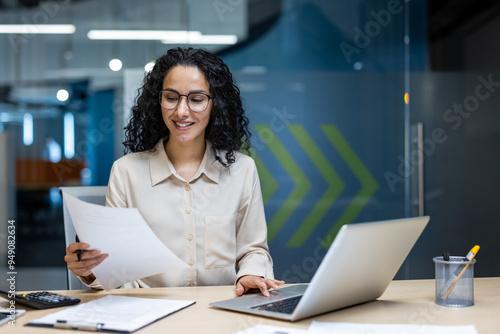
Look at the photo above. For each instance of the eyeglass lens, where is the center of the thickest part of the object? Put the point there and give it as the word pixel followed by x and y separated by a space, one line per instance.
pixel 196 101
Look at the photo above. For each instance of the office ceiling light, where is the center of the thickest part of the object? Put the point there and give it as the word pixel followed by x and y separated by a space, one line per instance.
pixel 145 35
pixel 28 129
pixel 37 29
pixel 69 135
pixel 149 66
pixel 115 64
pixel 62 95
pixel 205 39
pixel 165 36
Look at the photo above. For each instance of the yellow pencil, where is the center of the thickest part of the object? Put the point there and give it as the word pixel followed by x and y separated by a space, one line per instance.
pixel 469 257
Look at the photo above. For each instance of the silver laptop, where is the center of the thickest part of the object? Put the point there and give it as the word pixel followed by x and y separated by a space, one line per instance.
pixel 359 265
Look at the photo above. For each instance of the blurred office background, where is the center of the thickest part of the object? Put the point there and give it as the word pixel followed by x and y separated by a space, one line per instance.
pixel 360 110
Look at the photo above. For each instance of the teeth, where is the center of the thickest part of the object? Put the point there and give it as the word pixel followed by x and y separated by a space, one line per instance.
pixel 183 125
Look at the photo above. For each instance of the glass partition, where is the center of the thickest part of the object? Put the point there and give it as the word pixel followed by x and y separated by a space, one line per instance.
pixel 325 89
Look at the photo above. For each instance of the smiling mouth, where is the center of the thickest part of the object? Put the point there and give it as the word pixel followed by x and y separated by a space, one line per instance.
pixel 183 125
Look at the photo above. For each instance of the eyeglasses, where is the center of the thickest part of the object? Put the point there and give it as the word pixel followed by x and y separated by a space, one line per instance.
pixel 197 102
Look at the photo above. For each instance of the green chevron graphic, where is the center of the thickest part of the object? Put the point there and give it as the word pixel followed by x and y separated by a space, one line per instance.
pixel 369 184
pixel 302 184
pixel 270 185
pixel 335 186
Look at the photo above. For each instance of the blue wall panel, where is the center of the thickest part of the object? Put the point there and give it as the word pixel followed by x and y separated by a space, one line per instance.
pixel 326 128
pixel 100 136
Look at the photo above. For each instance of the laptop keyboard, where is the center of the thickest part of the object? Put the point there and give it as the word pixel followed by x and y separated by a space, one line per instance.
pixel 282 306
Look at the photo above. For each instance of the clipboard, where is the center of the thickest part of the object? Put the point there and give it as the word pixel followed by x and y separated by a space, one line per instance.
pixel 117 314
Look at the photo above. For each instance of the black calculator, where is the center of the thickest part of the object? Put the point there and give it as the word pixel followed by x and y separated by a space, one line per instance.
pixel 41 300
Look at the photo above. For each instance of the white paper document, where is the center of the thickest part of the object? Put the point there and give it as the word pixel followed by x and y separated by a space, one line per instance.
pixel 317 327
pixel 134 250
pixel 113 313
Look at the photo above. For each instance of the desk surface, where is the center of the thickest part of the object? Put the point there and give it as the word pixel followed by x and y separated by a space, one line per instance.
pixel 403 302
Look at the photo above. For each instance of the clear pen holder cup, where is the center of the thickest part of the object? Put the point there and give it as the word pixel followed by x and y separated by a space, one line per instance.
pixel 454 281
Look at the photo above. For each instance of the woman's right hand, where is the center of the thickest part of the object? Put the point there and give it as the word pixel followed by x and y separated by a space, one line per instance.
pixel 90 258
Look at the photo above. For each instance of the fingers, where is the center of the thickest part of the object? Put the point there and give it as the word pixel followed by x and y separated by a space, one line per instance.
pixel 73 247
pixel 248 282
pixel 240 289
pixel 263 288
pixel 266 284
pixel 84 268
pixel 90 258
pixel 274 284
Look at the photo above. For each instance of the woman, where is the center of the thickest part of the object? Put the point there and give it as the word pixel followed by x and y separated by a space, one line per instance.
pixel 186 176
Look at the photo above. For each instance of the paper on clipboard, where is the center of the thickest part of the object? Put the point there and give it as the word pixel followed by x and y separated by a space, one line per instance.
pixel 112 313
pixel 134 250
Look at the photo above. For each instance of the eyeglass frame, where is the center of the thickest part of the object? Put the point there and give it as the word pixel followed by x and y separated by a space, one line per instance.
pixel 210 97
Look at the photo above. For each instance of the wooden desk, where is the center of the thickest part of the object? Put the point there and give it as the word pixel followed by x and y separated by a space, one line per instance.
pixel 403 302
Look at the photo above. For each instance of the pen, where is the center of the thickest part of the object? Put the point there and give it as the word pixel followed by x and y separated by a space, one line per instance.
pixel 469 257
pixel 79 251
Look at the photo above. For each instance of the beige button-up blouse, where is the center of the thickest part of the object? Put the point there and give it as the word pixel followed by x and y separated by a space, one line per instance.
pixel 214 222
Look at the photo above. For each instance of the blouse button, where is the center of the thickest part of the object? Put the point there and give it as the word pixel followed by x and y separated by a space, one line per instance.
pixel 191 284
pixel 191 262
pixel 187 187
pixel 188 211
pixel 190 237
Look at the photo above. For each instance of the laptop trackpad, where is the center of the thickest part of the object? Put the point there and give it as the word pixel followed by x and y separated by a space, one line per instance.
pixel 247 301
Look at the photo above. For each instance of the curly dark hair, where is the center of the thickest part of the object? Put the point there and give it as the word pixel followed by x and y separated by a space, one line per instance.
pixel 227 129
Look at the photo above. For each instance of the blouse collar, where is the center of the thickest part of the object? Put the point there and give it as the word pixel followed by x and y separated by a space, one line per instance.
pixel 161 168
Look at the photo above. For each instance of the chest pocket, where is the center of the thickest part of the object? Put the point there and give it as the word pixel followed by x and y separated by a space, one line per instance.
pixel 220 241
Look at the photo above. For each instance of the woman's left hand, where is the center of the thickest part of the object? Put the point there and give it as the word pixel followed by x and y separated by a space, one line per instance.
pixel 248 282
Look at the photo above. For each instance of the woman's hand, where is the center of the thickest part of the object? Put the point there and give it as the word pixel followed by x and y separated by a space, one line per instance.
pixel 90 258
pixel 248 282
